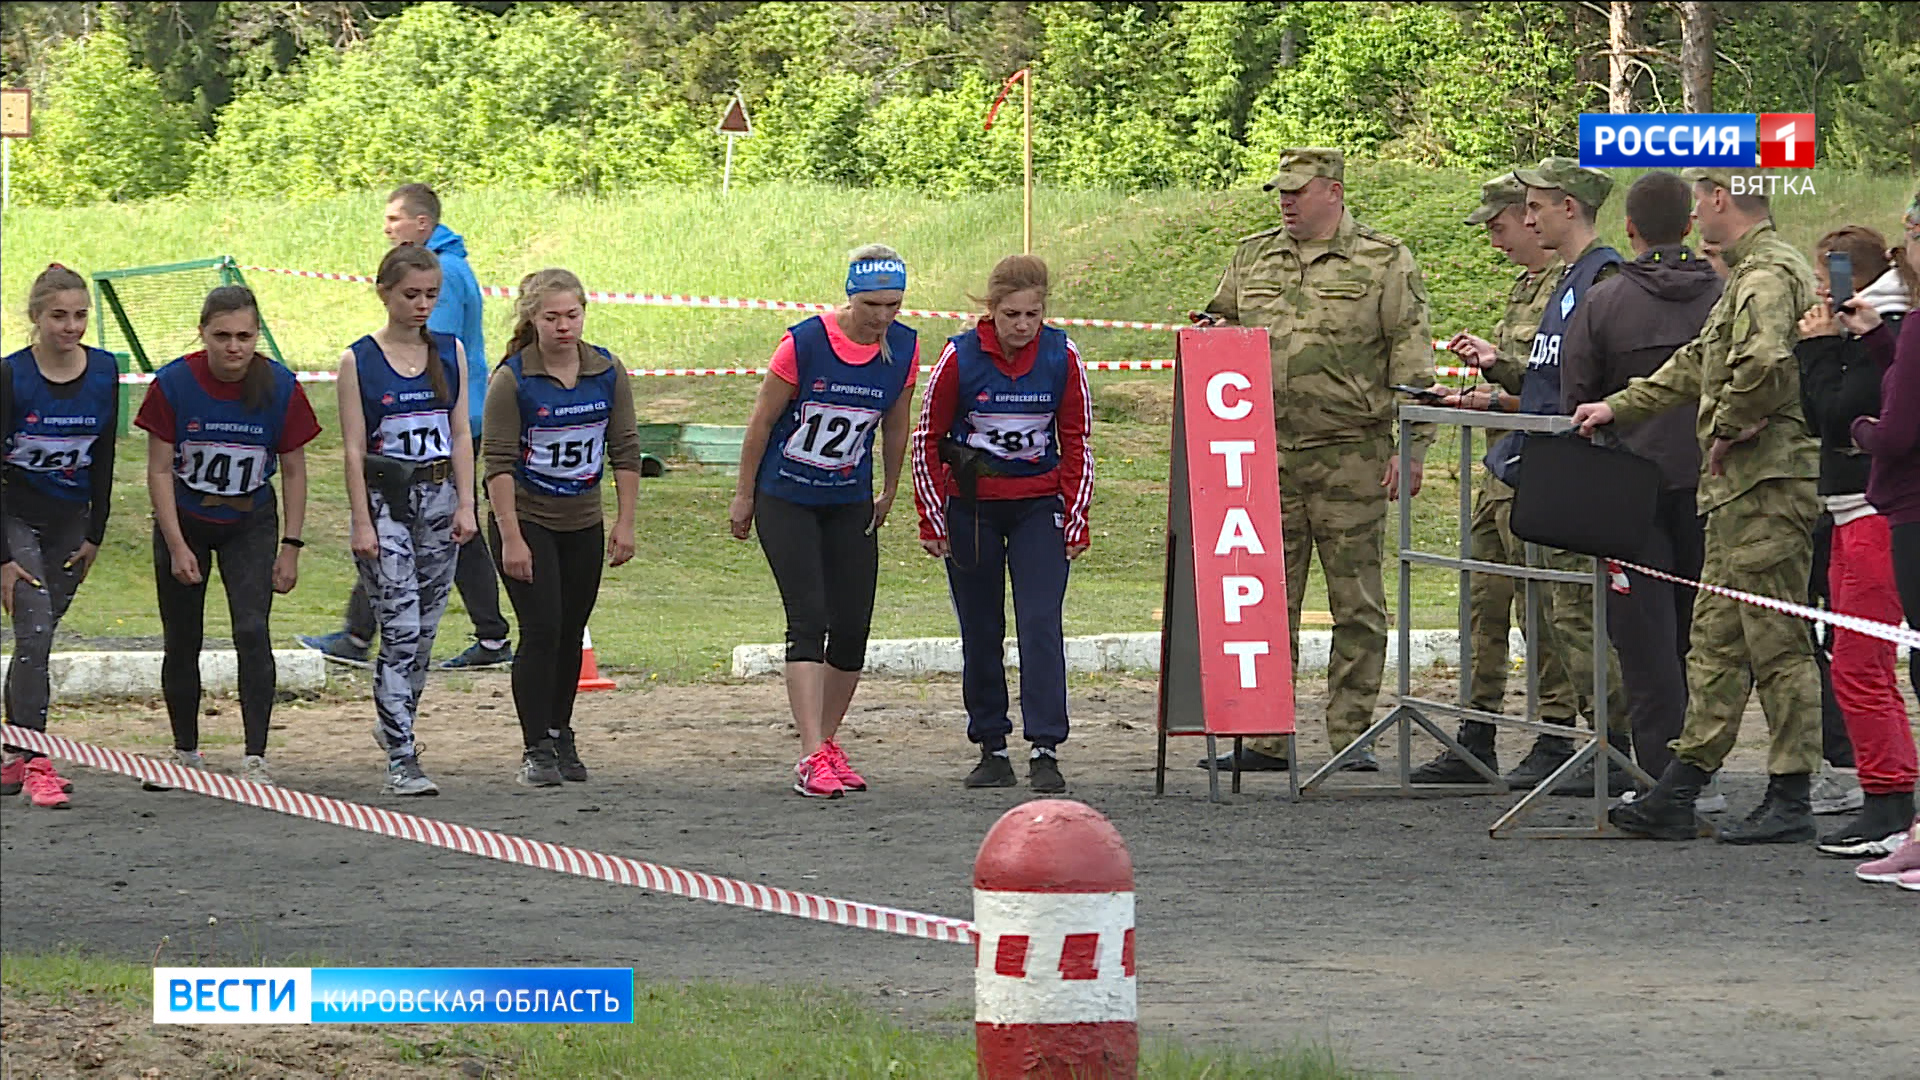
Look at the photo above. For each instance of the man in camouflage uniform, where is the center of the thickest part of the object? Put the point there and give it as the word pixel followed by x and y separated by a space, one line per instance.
pixel 1757 492
pixel 1490 596
pixel 1562 202
pixel 1347 315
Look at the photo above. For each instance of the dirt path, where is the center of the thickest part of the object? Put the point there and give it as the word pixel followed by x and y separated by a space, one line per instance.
pixel 1397 930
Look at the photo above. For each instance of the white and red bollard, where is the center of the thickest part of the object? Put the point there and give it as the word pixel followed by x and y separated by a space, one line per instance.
pixel 1053 979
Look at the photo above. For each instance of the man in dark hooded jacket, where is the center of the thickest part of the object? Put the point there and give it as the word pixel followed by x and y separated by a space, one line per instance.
pixel 1626 328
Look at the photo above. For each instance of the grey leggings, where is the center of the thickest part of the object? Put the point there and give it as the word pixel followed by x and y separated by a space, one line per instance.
pixel 408 586
pixel 42 549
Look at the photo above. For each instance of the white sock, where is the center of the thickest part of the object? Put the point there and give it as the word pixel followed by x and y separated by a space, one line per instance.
pixel 1044 751
pixel 553 733
pixel 495 645
pixel 1000 753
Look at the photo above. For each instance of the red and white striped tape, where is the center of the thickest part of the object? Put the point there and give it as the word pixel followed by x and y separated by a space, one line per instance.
pixel 1899 635
pixel 502 847
pixel 141 378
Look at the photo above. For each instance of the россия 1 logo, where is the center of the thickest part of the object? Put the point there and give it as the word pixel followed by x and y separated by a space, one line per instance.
pixel 1726 140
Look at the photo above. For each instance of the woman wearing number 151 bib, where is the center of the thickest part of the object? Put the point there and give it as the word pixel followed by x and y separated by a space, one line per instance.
pixel 220 423
pixel 806 479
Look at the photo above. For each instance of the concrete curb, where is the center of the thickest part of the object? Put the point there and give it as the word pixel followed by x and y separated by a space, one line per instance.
pixel 78 676
pixel 1098 652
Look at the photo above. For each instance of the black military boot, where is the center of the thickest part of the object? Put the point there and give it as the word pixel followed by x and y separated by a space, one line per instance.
pixel 1619 781
pixel 1549 753
pixel 1666 812
pixel 1883 817
pixel 1784 816
pixel 1449 768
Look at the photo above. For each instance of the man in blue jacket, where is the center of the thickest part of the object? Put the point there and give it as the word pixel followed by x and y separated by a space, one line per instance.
pixel 413 217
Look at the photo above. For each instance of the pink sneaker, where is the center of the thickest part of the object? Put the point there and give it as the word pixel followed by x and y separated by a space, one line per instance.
pixel 45 788
pixel 1910 881
pixel 842 768
pixel 1889 871
pixel 814 777
pixel 13 773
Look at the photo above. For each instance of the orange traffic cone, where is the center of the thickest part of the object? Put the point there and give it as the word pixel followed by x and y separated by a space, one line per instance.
pixel 589 670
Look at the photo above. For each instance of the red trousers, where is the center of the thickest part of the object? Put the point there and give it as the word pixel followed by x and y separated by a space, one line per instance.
pixel 1864 683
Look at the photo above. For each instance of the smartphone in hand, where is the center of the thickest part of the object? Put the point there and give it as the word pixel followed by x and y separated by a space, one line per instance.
pixel 1424 397
pixel 1839 278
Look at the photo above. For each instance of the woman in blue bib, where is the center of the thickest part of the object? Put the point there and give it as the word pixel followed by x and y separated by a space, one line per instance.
pixel 59 411
pixel 806 478
pixel 409 455
pixel 1003 479
pixel 220 422
pixel 559 415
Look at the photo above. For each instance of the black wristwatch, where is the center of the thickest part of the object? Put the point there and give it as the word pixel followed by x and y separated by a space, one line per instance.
pixel 293 542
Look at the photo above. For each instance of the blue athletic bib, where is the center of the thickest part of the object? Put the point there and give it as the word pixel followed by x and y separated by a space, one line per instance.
pixel 1011 419
pixel 821 451
pixel 405 418
pixel 563 433
pixel 222 448
pixel 50 444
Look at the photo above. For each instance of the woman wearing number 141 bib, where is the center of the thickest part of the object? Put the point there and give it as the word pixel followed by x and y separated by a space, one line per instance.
pixel 219 422
pixel 1003 478
pixel 806 479
pixel 559 415
pixel 409 454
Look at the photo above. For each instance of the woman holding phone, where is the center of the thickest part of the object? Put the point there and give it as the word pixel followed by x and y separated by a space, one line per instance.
pixel 409 458
pixel 220 422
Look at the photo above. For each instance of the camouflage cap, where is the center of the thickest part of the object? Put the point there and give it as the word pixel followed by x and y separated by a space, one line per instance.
pixel 1300 165
pixel 1589 186
pixel 1718 175
pixel 1496 195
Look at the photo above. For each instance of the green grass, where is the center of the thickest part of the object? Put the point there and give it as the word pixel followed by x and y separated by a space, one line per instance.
pixel 696 1030
pixel 693 594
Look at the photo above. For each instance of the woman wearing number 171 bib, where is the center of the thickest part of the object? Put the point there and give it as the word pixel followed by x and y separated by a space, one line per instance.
pixel 409 456
pixel 806 479
pixel 219 423
pixel 1003 478
pixel 559 415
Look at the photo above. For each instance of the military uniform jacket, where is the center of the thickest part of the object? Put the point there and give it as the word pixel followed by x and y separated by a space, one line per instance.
pixel 1742 370
pixel 1347 318
pixel 1513 334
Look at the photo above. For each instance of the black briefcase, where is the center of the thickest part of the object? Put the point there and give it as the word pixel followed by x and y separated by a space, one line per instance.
pixel 1580 497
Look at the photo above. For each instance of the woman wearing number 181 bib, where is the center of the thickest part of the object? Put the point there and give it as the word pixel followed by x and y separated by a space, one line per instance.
pixel 1003 478
pixel 806 478
pixel 559 415
pixel 409 456
pixel 219 423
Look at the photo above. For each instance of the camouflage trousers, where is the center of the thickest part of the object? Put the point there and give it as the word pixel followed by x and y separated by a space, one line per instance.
pixel 1565 626
pixel 1331 501
pixel 408 585
pixel 1762 543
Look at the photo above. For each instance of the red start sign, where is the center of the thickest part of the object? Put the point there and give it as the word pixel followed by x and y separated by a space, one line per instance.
pixel 1225 664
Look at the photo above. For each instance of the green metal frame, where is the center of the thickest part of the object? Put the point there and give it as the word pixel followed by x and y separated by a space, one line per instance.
pixel 108 300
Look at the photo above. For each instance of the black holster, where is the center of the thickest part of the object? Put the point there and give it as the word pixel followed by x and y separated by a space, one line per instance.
pixel 968 466
pixel 393 478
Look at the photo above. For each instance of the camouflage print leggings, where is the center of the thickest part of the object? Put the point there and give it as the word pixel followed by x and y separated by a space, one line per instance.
pixel 408 584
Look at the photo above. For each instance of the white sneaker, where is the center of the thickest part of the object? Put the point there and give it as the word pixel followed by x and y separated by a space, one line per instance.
pixel 1711 800
pixel 186 759
pixel 254 768
pixel 1833 794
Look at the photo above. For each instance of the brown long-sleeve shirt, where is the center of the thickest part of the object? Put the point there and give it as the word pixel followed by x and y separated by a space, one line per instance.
pixel 500 445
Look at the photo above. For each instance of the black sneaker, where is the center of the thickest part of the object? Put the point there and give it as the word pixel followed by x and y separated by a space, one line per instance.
pixel 994 770
pixel 479 656
pixel 1549 753
pixel 540 766
pixel 1043 774
pixel 570 766
pixel 1364 761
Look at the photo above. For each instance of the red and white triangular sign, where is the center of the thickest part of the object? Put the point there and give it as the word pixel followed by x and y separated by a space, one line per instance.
pixel 736 122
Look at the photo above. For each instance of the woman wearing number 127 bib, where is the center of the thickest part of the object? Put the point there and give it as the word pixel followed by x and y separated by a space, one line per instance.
pixel 409 457
pixel 219 422
pixel 1003 478
pixel 806 479
pixel 559 415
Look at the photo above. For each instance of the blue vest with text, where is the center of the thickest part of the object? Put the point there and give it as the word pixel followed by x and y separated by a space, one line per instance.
pixel 821 450
pixel 563 432
pixel 405 418
pixel 50 445
pixel 1540 386
pixel 1011 419
pixel 222 448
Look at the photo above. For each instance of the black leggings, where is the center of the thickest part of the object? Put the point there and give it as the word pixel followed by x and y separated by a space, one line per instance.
pixel 552 610
pixel 825 562
pixel 245 550
pixel 1906 578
